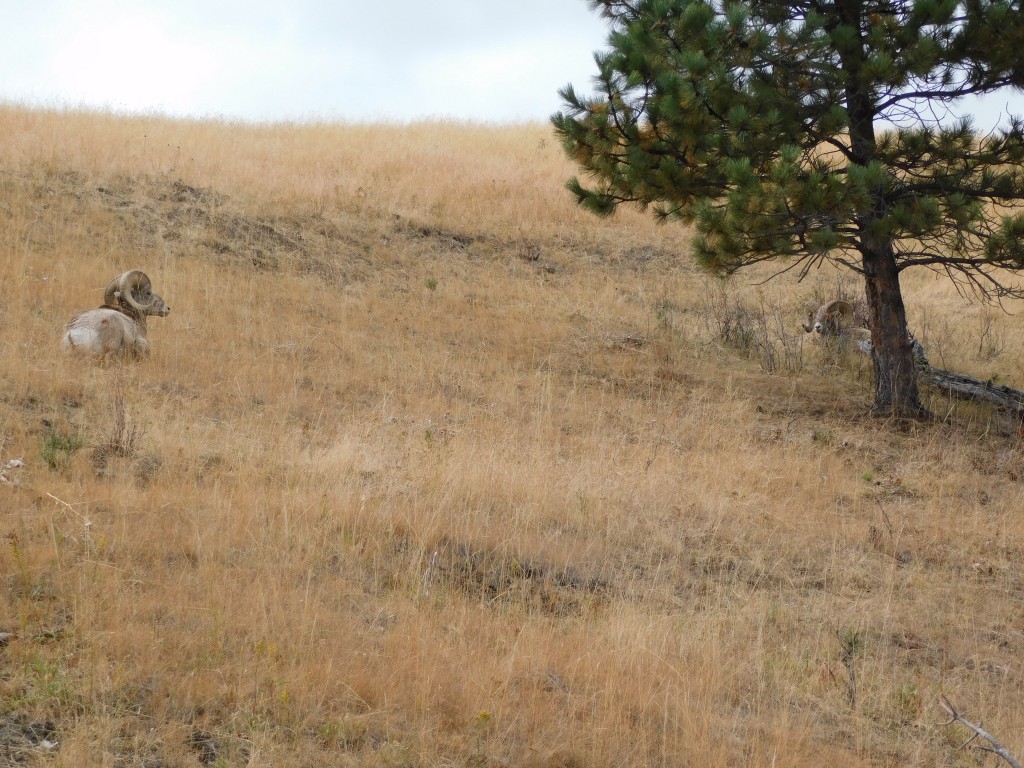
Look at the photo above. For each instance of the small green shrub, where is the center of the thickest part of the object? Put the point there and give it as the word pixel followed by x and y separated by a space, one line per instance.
pixel 58 450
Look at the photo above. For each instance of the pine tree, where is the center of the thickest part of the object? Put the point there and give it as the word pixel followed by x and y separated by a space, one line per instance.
pixel 812 132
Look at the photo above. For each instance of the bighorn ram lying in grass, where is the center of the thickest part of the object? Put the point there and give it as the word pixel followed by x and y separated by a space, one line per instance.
pixel 836 321
pixel 119 326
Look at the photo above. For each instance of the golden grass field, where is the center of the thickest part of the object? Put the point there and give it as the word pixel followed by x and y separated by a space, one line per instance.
pixel 429 468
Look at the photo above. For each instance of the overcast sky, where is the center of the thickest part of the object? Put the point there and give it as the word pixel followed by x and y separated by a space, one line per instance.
pixel 273 60
pixel 491 60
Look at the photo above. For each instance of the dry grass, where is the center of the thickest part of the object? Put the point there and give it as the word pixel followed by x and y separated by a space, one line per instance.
pixel 427 468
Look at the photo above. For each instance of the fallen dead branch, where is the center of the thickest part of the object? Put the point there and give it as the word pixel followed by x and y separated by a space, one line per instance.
pixel 966 387
pixel 993 745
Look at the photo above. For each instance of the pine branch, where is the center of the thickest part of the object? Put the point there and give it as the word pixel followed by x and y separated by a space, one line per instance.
pixel 941 95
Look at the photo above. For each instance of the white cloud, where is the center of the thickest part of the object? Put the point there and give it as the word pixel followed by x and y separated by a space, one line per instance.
pixel 518 80
pixel 274 60
pixel 264 59
pixel 135 60
pixel 268 60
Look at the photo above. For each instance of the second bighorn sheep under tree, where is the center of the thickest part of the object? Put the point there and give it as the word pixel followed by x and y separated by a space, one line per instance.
pixel 836 321
pixel 119 326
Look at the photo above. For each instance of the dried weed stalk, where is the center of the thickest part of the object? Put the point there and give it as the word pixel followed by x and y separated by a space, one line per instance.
pixel 124 437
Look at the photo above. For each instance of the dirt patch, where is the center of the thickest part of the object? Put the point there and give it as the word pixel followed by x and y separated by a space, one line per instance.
pixel 502 576
pixel 25 742
pixel 159 211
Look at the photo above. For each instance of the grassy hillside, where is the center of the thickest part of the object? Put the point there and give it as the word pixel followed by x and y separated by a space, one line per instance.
pixel 429 468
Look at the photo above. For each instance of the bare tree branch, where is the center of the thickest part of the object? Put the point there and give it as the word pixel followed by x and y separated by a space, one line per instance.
pixel 995 748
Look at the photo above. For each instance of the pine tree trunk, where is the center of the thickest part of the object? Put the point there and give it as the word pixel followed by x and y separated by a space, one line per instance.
pixel 896 392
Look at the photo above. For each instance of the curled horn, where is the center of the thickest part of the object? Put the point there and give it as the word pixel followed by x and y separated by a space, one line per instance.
pixel 110 295
pixel 844 308
pixel 124 288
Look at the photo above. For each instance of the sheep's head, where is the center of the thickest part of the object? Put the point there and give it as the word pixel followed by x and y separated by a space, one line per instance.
pixel 829 319
pixel 811 309
pixel 134 291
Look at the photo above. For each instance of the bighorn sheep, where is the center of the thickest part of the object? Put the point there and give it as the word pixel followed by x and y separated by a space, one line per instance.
pixel 119 326
pixel 837 320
